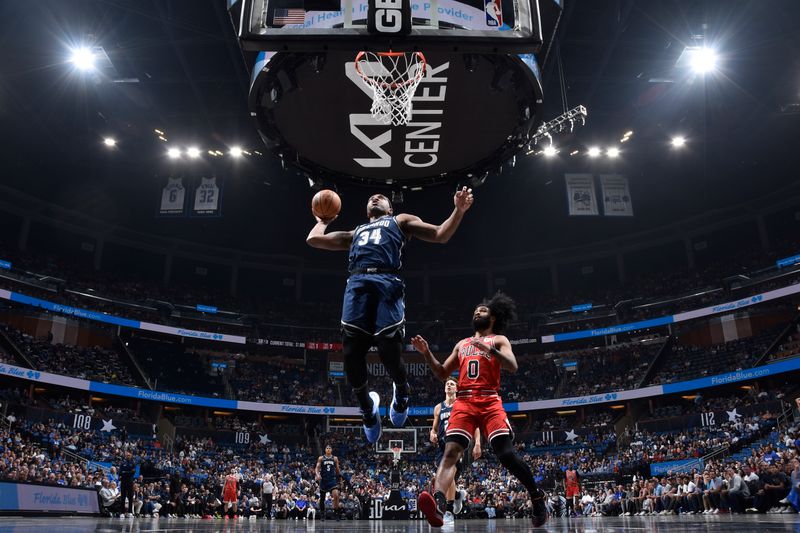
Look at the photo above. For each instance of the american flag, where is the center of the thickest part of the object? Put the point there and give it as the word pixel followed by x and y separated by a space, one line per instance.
pixel 289 16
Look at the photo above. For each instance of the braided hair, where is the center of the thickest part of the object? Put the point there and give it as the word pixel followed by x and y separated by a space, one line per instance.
pixel 503 309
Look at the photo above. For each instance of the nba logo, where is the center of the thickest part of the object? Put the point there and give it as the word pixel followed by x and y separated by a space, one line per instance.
pixel 494 13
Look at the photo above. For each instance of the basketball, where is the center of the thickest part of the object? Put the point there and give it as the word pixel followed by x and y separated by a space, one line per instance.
pixel 326 204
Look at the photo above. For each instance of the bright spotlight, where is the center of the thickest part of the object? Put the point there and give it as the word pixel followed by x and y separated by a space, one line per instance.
pixel 704 60
pixel 550 150
pixel 110 142
pixel 193 152
pixel 83 59
pixel 594 151
pixel 236 151
pixel 174 153
pixel 612 152
pixel 678 141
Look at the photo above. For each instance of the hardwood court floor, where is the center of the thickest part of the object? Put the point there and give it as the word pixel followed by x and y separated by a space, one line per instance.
pixel 712 523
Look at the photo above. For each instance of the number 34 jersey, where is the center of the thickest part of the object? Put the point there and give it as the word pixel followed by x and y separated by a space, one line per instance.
pixel 477 369
pixel 378 244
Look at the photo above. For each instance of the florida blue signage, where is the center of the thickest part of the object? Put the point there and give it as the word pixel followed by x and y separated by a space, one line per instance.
pixel 28 497
pixel 201 401
pixel 684 465
pixel 788 261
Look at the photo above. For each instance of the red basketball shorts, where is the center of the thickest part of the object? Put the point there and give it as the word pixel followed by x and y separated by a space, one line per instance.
pixel 486 413
pixel 229 496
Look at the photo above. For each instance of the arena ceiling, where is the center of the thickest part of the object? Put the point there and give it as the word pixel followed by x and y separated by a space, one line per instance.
pixel 175 66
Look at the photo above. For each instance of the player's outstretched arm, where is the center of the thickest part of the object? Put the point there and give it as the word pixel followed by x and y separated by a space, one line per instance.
pixel 476 448
pixel 413 226
pixel 440 370
pixel 434 436
pixel 318 468
pixel 501 350
pixel 335 240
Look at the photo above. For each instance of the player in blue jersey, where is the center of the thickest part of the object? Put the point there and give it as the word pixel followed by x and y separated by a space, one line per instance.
pixel 373 311
pixel 441 418
pixel 328 474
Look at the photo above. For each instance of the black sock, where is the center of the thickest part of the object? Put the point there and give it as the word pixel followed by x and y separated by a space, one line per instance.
pixel 441 501
pixel 449 506
pixel 365 403
pixel 521 471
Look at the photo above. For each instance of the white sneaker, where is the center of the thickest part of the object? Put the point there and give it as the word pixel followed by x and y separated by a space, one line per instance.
pixel 448 519
pixel 715 511
pixel 784 501
pixel 458 504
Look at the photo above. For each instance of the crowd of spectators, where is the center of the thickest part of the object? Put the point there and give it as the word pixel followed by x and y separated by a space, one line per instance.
pixel 687 361
pixel 92 363
pixel 704 404
pixel 187 480
pixel 310 321
pixel 173 367
pixel 615 368
pixel 284 382
pixel 765 481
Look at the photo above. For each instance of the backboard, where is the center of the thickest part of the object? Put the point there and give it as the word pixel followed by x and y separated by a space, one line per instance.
pixel 477 105
pixel 495 26
pixel 404 438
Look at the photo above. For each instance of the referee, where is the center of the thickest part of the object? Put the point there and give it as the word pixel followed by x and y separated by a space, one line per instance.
pixel 127 471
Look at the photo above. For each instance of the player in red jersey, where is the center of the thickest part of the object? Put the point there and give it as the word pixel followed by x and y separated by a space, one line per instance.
pixel 230 496
pixel 478 404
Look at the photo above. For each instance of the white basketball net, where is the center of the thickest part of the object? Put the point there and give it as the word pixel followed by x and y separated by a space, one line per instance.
pixel 393 78
pixel 396 453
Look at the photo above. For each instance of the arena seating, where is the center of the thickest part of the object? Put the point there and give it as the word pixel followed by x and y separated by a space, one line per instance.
pixel 34 453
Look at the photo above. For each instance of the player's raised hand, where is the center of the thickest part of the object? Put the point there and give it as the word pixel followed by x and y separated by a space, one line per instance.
pixel 463 199
pixel 419 344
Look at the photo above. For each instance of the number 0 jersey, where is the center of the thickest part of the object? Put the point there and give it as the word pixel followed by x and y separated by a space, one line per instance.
pixel 377 244
pixel 477 370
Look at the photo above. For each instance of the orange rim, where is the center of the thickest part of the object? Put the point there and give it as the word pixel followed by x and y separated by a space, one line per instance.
pixel 393 85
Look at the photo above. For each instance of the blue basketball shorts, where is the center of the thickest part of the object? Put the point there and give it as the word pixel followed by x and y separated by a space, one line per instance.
pixel 373 305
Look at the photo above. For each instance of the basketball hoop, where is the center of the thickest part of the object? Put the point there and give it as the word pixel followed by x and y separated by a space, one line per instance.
pixel 396 453
pixel 393 78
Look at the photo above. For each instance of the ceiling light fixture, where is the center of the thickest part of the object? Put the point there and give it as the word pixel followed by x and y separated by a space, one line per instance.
pixel 83 59
pixel 703 60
